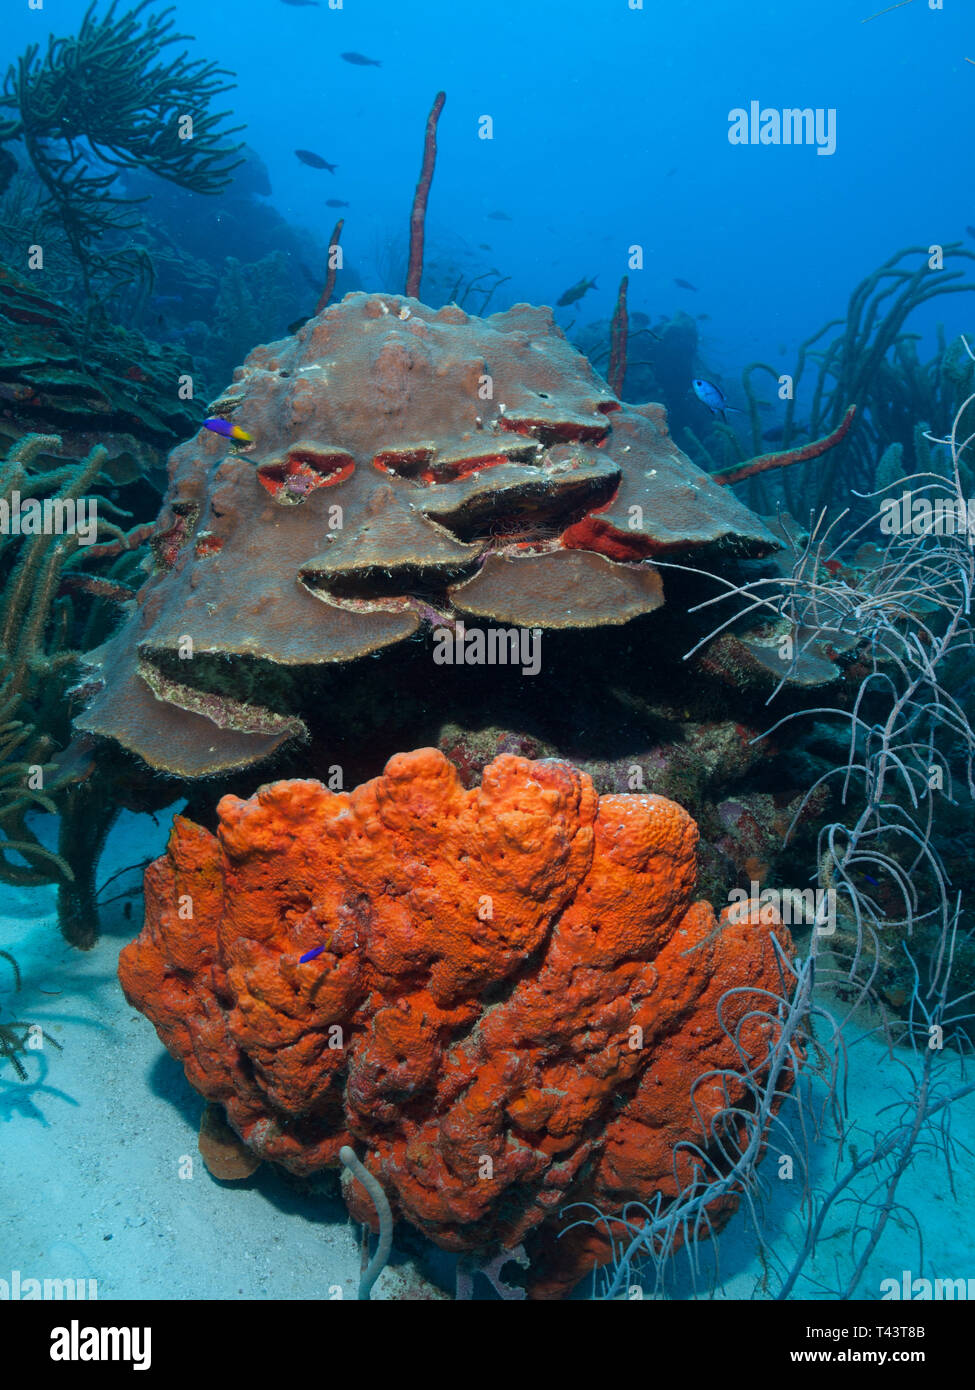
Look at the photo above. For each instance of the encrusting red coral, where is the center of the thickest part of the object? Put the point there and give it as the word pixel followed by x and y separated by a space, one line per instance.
pixel 514 995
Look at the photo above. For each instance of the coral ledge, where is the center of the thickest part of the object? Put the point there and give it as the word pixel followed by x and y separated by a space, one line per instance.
pixel 406 462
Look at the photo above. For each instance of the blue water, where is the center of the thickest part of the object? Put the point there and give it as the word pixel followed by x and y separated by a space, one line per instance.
pixel 593 106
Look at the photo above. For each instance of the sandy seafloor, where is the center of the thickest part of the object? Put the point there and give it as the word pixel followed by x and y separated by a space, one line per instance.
pixel 91 1147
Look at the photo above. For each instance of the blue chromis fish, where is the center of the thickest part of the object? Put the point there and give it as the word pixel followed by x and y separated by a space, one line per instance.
pixel 228 430
pixel 310 955
pixel 712 396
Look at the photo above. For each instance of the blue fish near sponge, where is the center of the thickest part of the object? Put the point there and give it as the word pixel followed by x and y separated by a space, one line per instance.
pixel 312 954
pixel 713 397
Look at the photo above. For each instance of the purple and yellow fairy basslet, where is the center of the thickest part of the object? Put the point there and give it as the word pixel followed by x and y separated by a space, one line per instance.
pixel 228 430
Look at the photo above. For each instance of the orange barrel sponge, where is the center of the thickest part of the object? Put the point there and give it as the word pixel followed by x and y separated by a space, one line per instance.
pixel 501 997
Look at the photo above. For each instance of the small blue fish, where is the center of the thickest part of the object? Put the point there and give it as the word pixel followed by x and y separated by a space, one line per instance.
pixel 228 430
pixel 713 397
pixel 310 955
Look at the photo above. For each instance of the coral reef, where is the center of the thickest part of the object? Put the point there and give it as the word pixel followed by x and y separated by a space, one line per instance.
pixel 872 363
pixel 408 465
pixel 897 735
pixel 709 767
pixel 109 387
pixel 251 301
pixel 35 668
pixel 894 957
pixel 503 994
pixel 219 305
pixel 104 99
pixel 651 363
pixel 59 597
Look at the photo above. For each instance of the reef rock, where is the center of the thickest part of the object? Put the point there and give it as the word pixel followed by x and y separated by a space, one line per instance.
pixel 407 465
pixel 513 995
pixel 118 392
